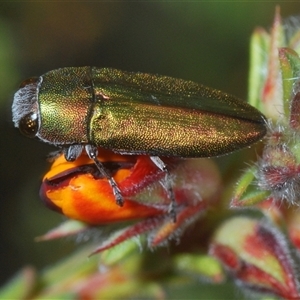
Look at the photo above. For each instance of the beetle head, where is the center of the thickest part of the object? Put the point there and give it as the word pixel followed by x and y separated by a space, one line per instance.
pixel 25 108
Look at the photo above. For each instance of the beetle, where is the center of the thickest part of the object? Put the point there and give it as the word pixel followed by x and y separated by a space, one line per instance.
pixel 79 108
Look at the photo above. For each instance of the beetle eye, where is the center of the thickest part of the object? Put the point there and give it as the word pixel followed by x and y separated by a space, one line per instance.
pixel 28 125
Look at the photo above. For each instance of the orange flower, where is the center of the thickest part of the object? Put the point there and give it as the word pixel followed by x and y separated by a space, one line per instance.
pixel 76 190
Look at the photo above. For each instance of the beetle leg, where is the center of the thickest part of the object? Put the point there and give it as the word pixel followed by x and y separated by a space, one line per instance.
pixel 72 152
pixel 93 153
pixel 168 186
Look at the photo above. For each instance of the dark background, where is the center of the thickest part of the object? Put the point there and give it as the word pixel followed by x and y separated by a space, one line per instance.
pixel 201 41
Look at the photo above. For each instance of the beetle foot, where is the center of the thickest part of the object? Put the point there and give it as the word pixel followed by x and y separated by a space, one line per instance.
pixel 172 210
pixel 117 193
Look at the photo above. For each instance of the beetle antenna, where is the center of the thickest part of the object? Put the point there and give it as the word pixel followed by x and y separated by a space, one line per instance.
pixel 93 153
pixel 167 185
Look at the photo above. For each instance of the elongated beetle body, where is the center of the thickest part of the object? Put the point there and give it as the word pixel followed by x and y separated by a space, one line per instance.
pixel 133 113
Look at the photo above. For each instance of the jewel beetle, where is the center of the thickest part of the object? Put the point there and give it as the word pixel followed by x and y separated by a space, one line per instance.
pixel 79 108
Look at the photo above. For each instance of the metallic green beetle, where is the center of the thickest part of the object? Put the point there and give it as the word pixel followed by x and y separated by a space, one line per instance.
pixel 133 113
